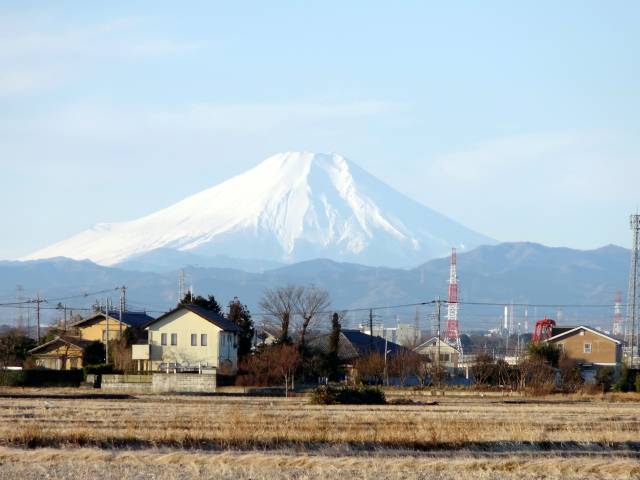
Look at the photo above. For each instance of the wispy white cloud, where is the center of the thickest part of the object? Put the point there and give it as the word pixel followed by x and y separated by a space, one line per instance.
pixel 28 50
pixel 546 176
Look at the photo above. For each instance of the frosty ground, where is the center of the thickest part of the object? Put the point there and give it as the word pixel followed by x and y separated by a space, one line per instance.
pixel 147 436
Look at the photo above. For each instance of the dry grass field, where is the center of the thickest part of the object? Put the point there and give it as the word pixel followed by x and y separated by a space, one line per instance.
pixel 247 437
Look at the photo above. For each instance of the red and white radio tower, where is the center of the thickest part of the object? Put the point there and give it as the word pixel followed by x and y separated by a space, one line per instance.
pixel 617 316
pixel 452 332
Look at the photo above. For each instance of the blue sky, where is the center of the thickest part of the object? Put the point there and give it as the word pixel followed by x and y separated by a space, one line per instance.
pixel 518 119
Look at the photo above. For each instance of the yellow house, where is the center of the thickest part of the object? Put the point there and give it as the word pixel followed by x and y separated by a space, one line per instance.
pixel 96 326
pixel 61 353
pixel 190 337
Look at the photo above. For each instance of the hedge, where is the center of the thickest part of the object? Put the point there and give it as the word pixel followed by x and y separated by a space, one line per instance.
pixel 41 378
pixel 328 395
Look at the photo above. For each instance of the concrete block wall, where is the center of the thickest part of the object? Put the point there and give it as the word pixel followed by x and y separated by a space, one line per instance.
pixel 183 382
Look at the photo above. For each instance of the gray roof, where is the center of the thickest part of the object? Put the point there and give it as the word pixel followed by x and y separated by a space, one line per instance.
pixel 354 344
pixel 218 320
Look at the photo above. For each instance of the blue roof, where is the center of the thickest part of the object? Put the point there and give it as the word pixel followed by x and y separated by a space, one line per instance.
pixel 131 319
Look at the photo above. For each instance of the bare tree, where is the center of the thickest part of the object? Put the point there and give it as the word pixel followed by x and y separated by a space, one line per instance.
pixel 423 369
pixel 310 304
pixel 281 303
pixel 404 364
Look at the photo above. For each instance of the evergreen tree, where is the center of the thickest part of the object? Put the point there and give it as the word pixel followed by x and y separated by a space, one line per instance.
pixel 208 303
pixel 332 358
pixel 240 315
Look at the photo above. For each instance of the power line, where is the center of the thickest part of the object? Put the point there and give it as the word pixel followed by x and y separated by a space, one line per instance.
pixel 57 299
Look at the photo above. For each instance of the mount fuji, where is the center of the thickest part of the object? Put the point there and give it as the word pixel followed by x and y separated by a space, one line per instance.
pixel 289 208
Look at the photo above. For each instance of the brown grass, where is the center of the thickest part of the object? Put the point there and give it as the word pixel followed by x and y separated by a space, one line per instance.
pixel 171 437
pixel 249 423
pixel 88 464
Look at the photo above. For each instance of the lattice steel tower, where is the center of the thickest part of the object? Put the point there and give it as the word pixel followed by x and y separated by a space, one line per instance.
pixel 631 328
pixel 452 330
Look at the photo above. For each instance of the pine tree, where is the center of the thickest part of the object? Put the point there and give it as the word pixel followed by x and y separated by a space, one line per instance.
pixel 332 359
pixel 209 303
pixel 240 315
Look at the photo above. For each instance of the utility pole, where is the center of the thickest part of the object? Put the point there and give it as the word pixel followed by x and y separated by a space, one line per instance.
pixel 64 322
pixel 438 354
pixel 38 317
pixel 370 330
pixel 180 285
pixel 106 343
pixel 123 292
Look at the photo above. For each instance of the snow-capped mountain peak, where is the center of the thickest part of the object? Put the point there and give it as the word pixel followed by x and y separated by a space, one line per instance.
pixel 293 206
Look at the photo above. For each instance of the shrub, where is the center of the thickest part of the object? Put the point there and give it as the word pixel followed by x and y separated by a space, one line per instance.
pixel 627 380
pixel 327 395
pixel 604 378
pixel 41 378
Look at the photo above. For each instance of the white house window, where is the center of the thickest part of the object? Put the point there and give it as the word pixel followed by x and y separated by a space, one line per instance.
pixel 203 339
pixel 194 339
pixel 587 348
pixel 163 339
pixel 174 339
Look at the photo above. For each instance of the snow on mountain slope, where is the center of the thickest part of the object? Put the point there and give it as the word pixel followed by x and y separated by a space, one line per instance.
pixel 291 207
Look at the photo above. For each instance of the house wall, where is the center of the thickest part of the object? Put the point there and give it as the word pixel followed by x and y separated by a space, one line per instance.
pixel 603 350
pixel 221 346
pixel 95 330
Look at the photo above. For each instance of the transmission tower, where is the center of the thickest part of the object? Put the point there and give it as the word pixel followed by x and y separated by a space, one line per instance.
pixel 452 331
pixel 631 334
pixel 618 326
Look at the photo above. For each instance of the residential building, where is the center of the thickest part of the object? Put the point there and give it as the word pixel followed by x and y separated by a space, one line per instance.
pixel 61 353
pixel 96 326
pixel 189 338
pixel 437 350
pixel 588 347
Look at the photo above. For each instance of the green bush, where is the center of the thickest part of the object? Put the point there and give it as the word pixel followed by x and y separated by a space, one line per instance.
pixel 637 383
pixel 604 378
pixel 627 379
pixel 40 378
pixel 326 395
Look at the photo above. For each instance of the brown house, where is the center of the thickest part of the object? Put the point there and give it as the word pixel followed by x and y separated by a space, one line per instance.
pixel 587 346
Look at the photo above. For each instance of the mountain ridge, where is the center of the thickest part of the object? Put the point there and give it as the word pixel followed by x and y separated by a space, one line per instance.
pixel 487 274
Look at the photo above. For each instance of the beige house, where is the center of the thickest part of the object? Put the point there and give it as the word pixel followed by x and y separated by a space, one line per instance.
pixel 189 338
pixel 588 346
pixel 450 357
pixel 61 353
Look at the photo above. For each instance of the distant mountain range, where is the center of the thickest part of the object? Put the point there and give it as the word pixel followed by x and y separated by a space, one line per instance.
pixel 291 207
pixel 523 273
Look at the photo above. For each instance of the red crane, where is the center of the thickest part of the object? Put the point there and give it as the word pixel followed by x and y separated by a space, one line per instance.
pixel 543 329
